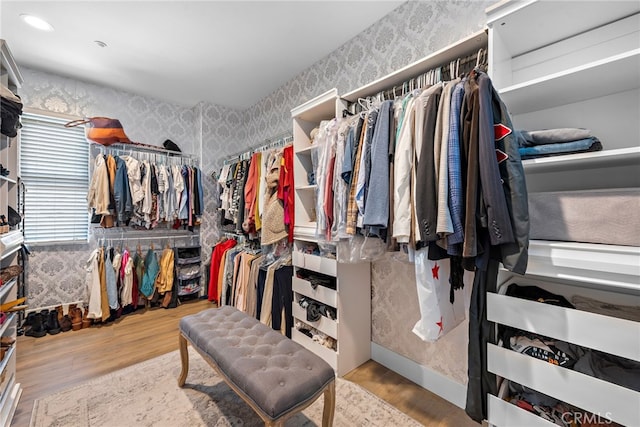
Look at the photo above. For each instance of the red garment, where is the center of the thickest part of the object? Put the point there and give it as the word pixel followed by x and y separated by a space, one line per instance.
pixel 216 258
pixel 285 189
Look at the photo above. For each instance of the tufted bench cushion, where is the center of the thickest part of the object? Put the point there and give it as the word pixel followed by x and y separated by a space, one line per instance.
pixel 277 375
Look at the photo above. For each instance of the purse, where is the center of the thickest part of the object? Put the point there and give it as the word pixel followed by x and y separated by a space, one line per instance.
pixel 103 130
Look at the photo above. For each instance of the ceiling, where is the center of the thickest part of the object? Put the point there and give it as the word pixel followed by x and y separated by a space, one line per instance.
pixel 231 53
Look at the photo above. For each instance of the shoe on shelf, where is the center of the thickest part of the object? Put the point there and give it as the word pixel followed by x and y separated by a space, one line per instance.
pixel 7 306
pixel 37 327
pixel 6 341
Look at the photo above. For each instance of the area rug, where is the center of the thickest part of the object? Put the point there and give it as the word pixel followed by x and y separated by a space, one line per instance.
pixel 147 394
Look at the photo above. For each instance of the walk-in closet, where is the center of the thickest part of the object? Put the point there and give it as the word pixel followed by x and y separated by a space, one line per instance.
pixel 313 213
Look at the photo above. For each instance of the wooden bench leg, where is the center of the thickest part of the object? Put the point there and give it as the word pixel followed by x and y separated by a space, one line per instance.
pixel 329 404
pixel 184 357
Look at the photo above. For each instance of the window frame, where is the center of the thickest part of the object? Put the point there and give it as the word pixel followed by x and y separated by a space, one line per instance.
pixel 72 237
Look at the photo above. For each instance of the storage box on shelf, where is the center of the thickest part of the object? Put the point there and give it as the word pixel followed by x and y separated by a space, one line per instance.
pixel 10 243
pixel 188 276
pixel 572 65
pixel 351 300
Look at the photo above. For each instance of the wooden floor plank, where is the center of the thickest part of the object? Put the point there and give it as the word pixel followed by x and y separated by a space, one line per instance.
pixel 56 362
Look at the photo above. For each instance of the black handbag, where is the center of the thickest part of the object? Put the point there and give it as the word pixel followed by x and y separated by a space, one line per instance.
pixel 14 217
pixel 11 110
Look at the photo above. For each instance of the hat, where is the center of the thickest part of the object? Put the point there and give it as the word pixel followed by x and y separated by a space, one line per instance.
pixel 171 146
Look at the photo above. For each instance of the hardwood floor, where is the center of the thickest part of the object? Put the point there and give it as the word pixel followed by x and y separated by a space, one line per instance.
pixel 56 362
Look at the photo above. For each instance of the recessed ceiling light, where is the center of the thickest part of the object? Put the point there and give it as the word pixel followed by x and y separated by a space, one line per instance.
pixel 100 43
pixel 36 22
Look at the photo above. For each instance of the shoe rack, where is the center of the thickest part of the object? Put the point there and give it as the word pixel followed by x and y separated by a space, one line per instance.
pixel 11 239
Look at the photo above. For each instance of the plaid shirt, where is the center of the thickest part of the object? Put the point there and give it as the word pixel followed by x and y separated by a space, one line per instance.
pixel 456 190
pixel 352 207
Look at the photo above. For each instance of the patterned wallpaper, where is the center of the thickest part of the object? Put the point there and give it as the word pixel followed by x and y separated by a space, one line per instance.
pixel 410 32
pixel 56 273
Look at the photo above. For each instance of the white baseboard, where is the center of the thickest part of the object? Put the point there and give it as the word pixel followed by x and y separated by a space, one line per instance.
pixel 424 376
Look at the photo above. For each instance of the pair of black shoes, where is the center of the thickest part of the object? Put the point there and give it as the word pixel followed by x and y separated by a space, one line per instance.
pixel 39 324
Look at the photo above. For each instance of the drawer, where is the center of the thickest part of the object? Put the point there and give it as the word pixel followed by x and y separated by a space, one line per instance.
pixel 328 355
pixel 326 325
pixel 586 392
pixel 501 413
pixel 575 326
pixel 320 293
pixel 315 263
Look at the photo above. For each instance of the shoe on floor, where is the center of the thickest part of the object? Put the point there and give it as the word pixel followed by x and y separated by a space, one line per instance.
pixel 52 325
pixel 37 328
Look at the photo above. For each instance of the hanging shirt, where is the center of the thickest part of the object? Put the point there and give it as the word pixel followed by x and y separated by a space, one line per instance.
pixel 444 225
pixel 164 279
pixel 286 189
pixel 151 271
pixel 403 162
pixel 93 285
pixel 98 195
pixel 456 195
pixel 110 274
pixel 376 214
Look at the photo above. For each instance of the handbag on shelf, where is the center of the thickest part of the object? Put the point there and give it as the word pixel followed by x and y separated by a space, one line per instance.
pixel 103 130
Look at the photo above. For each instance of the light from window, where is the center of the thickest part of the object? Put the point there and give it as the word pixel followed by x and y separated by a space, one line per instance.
pixel 54 166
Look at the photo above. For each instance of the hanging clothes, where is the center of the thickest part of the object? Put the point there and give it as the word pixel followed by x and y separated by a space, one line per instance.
pixel 112 286
pixel 286 189
pixel 93 285
pixel 164 279
pixel 151 269
pixel 214 269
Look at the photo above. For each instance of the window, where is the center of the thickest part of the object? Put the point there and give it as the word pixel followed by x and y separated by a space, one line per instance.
pixel 54 166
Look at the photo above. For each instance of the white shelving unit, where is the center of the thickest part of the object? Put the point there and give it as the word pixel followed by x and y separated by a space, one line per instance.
pixel 306 117
pixel 571 64
pixel 352 296
pixel 10 390
pixel 351 299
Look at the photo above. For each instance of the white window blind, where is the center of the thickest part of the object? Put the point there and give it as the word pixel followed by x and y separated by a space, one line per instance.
pixel 54 166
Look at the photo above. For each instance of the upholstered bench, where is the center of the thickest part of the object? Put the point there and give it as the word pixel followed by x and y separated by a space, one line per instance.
pixel 274 375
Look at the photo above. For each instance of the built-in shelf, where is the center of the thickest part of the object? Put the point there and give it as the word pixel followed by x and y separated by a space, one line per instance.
pixel 515 19
pixel 6 287
pixel 543 319
pixel 616 168
pixel 306 187
pixel 7 323
pixel 307 150
pixel 466 46
pixel 502 413
pixel 592 160
pixel 10 243
pixel 318 108
pixel 7 179
pixel 606 267
pixel 615 74
pixel 565 384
